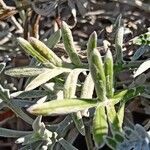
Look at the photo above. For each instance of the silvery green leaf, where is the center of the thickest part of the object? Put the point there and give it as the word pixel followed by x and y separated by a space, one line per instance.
pixel 54 39
pixel 109 73
pixel 47 53
pixel 127 94
pixel 31 146
pixel 98 74
pixel 117 23
pixel 113 118
pixel 29 94
pixel 118 44
pixel 100 126
pixel 2 66
pixel 30 50
pixel 25 71
pixel 69 92
pixel 69 44
pixel 66 145
pixel 140 51
pixel 13 133
pixel 2 105
pixel 88 87
pixel 142 68
pixel 22 103
pixel 19 112
pixel 44 77
pixel 121 113
pixel 71 83
pixel 60 107
pixel 92 44
pixel 4 94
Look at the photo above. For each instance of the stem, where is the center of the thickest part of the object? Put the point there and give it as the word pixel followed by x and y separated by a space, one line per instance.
pixel 88 138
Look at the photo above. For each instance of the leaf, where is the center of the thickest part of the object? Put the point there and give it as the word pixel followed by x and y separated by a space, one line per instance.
pixel 128 94
pixel 4 94
pixel 100 126
pixel 72 6
pixel 92 44
pixel 121 113
pixel 29 94
pixel 2 66
pixel 69 92
pixel 25 71
pixel 69 44
pixel 65 106
pixel 118 44
pixel 66 145
pixel 71 83
pixel 13 133
pixel 82 4
pixel 111 143
pixel 113 118
pixel 30 50
pixel 19 112
pixel 140 51
pixel 87 91
pixel 98 74
pixel 54 39
pixel 44 77
pixel 143 39
pixel 47 53
pixel 108 67
pixel 88 87
pixel 142 68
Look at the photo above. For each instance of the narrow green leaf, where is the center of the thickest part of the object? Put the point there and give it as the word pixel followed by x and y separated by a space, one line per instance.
pixel 87 91
pixel 126 95
pixel 98 74
pixel 25 71
pixel 30 50
pixel 120 114
pixel 108 65
pixel 100 126
pixel 118 44
pixel 69 92
pixel 54 39
pixel 92 44
pixel 13 133
pixel 88 87
pixel 2 66
pixel 4 94
pixel 19 112
pixel 48 54
pixel 71 83
pixel 67 145
pixel 69 44
pixel 111 143
pixel 113 118
pixel 29 94
pixel 119 137
pixel 65 106
pixel 44 77
pixel 140 51
pixel 142 68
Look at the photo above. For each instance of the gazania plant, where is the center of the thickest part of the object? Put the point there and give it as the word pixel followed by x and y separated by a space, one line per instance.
pixel 86 94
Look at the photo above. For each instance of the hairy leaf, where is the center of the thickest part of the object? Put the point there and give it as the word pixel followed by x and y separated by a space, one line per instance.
pixel 65 106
